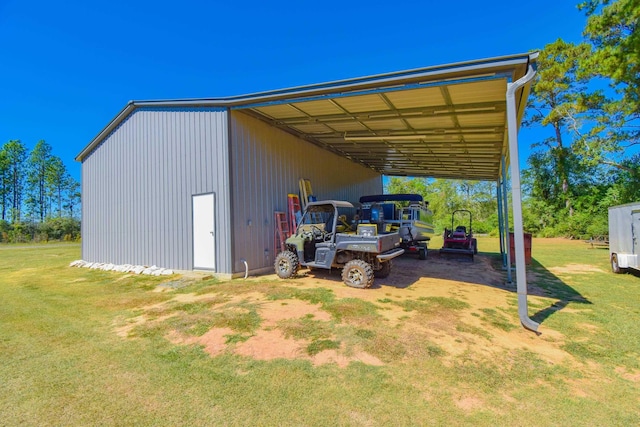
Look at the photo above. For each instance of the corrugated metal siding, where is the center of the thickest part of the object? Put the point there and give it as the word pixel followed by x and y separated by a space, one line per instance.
pixel 137 188
pixel 267 164
pixel 621 232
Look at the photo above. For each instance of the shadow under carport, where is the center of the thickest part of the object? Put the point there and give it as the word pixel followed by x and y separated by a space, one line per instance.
pixel 485 270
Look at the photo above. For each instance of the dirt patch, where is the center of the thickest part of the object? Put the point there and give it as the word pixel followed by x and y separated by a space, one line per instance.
pixel 575 269
pixel 479 284
pixel 214 341
pixel 270 344
pixel 633 375
pixel 469 403
pixel 273 312
pixel 411 309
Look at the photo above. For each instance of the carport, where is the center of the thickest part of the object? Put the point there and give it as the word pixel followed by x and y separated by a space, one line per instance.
pixel 457 121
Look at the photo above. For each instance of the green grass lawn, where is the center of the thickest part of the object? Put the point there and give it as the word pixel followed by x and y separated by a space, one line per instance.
pixel 62 361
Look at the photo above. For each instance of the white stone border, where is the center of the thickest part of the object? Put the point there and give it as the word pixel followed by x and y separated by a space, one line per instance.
pixel 125 268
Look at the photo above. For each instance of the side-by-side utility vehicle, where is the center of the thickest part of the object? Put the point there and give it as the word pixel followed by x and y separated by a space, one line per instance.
pixel 330 236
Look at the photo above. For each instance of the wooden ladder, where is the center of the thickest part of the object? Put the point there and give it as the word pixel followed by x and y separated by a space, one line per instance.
pixel 282 231
pixel 295 213
pixel 306 193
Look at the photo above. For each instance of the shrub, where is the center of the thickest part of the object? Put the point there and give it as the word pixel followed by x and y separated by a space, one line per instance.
pixel 67 229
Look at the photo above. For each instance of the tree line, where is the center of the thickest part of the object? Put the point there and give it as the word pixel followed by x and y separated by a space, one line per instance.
pixel 586 102
pixel 39 199
pixel 446 196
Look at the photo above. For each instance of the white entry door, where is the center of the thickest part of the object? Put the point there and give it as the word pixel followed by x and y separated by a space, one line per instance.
pixel 203 232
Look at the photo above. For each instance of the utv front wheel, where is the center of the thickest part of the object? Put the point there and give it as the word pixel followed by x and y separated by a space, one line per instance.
pixel 357 274
pixel 286 264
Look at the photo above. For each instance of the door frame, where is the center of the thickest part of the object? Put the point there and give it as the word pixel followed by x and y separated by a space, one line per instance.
pixel 213 231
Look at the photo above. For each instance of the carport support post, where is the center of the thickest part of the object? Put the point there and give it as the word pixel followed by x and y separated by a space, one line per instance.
pixel 518 230
pixel 505 220
pixel 500 224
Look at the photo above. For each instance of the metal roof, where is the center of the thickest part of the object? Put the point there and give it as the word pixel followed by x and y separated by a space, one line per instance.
pixel 447 121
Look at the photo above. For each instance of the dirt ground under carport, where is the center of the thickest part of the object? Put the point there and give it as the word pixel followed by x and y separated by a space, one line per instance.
pixel 479 284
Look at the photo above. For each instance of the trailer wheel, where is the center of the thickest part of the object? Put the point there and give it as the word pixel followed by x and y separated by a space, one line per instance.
pixel 615 267
pixel 385 270
pixel 286 264
pixel 357 274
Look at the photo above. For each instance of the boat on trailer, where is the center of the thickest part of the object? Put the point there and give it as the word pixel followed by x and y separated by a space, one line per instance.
pixel 408 214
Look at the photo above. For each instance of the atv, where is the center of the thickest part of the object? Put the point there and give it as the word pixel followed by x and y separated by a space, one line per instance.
pixel 329 236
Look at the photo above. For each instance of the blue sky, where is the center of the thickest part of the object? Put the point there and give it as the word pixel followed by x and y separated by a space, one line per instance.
pixel 67 68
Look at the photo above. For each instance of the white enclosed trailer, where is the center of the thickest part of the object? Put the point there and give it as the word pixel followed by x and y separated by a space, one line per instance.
pixel 624 237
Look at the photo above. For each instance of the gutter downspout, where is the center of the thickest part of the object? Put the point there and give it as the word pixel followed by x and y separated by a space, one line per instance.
pixel 512 128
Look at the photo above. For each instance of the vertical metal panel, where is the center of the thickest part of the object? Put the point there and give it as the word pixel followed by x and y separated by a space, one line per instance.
pixel 137 187
pixel 621 232
pixel 267 164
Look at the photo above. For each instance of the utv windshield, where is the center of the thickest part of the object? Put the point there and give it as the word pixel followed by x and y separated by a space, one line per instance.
pixel 322 216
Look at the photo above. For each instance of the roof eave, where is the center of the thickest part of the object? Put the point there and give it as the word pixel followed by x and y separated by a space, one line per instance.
pixel 433 72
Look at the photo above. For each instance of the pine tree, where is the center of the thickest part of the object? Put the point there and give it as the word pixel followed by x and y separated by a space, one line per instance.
pixel 16 156
pixel 38 169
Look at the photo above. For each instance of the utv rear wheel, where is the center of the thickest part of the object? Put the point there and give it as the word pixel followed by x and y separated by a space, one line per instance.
pixel 286 264
pixel 474 242
pixel 385 270
pixel 357 274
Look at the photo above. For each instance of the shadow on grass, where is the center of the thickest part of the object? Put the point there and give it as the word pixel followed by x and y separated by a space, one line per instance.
pixel 633 272
pixel 542 282
pixel 486 269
